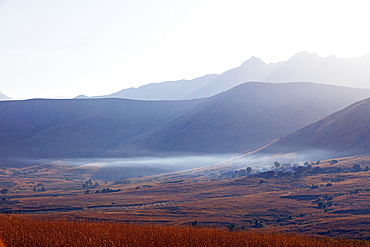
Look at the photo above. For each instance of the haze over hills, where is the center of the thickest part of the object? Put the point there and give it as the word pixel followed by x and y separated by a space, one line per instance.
pixel 303 67
pixel 233 121
pixel 343 133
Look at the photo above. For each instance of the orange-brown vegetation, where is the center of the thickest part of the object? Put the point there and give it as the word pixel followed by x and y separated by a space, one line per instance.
pixel 2 243
pixel 26 231
pixel 333 202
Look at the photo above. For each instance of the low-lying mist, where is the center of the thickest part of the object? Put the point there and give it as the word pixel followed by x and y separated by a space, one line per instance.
pixel 172 162
pixel 118 168
pixel 121 168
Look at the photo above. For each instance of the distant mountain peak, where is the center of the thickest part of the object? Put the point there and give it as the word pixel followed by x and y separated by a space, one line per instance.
pixel 305 55
pixel 3 96
pixel 81 96
pixel 366 56
pixel 253 60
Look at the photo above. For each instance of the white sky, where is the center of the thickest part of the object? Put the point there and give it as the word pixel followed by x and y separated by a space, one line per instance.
pixel 63 48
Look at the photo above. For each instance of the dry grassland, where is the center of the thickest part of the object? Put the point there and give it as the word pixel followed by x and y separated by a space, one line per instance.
pixel 27 232
pixel 303 204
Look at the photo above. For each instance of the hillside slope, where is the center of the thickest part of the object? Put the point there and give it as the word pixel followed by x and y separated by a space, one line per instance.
pixel 233 121
pixel 344 133
pixel 246 116
pixel 77 128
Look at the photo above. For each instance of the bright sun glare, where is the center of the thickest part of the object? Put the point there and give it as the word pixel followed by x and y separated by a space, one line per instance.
pixel 62 49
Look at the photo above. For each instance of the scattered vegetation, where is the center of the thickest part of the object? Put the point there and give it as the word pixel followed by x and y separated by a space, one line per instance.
pixel 26 231
pixel 304 198
pixel 121 181
pixel 38 187
pixel 89 184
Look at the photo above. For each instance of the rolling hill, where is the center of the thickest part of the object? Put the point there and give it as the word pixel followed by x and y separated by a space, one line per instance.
pixel 233 121
pixel 245 117
pixel 344 133
pixel 77 128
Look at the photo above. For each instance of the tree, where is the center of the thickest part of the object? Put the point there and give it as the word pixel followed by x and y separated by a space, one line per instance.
pixel 231 227
pixel 249 169
pixel 4 191
pixel 276 164
pixel 356 167
pixel 257 224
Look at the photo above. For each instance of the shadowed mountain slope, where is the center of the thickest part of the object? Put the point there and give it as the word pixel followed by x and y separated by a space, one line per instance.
pixel 246 116
pixel 344 133
pixel 236 120
pixel 77 128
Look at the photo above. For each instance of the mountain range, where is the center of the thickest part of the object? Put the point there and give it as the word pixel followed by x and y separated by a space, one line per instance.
pixel 241 118
pixel 303 67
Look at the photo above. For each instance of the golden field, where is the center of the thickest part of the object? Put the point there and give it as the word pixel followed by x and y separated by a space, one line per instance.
pixel 26 231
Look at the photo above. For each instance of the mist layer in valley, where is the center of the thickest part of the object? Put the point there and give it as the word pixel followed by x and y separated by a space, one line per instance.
pixel 111 169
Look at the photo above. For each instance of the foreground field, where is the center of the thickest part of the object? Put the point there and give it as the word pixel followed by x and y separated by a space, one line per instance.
pixel 25 231
pixel 330 198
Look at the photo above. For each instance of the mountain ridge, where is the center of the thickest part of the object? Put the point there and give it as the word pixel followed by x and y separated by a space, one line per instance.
pixel 253 69
pixel 302 67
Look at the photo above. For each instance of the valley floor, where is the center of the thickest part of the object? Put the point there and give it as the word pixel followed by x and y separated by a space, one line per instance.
pixel 332 200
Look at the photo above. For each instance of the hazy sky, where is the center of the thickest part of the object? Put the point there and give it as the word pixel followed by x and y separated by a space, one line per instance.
pixel 63 48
